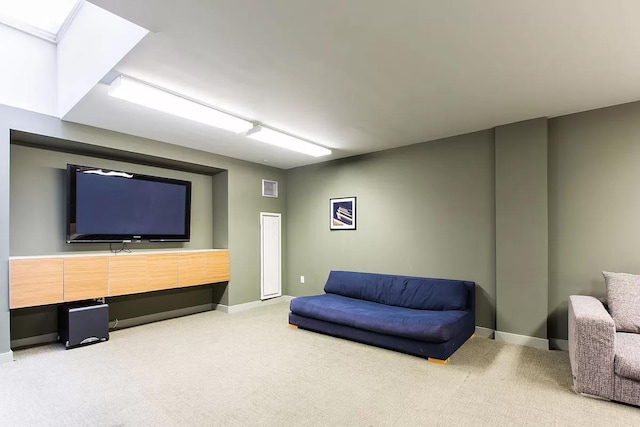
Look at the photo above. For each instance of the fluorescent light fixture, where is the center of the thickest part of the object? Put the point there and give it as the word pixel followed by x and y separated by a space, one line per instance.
pixel 289 142
pixel 42 18
pixel 142 94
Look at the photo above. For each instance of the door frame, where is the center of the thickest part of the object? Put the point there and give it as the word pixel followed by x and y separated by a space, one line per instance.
pixel 262 258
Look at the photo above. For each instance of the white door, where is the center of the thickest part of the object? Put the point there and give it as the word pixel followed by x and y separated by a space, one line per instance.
pixel 271 282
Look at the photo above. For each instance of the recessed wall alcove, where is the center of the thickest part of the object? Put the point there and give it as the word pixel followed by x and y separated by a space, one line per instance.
pixel 38 215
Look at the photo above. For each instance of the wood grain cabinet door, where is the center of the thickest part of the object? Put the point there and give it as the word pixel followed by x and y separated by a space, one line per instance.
pixel 128 274
pixel 192 269
pixel 217 266
pixel 36 281
pixel 40 281
pixel 162 271
pixel 85 277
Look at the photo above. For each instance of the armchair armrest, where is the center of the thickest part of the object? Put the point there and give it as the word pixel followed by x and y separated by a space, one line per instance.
pixel 592 336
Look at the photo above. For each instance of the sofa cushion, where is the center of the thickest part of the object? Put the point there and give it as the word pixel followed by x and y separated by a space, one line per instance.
pixel 422 325
pixel 627 360
pixel 623 297
pixel 402 291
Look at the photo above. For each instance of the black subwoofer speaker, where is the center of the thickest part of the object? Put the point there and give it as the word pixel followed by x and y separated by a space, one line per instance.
pixel 83 323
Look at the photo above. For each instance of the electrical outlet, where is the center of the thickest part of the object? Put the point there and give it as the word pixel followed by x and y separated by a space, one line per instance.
pixel 301 279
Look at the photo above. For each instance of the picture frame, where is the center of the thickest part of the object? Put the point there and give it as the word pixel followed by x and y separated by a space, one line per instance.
pixel 342 213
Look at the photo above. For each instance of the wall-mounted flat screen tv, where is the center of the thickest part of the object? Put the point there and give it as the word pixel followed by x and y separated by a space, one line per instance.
pixel 113 206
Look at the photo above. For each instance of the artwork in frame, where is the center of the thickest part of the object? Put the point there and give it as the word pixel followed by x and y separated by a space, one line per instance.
pixel 342 213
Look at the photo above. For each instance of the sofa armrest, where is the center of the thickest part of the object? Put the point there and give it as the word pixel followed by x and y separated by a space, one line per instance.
pixel 592 336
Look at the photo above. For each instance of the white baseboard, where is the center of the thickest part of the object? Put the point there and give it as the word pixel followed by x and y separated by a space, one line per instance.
pixel 553 343
pixel 558 344
pixel 522 340
pixel 253 304
pixel 6 357
pixel 483 332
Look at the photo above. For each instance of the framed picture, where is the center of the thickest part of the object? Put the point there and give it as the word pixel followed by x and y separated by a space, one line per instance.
pixel 342 213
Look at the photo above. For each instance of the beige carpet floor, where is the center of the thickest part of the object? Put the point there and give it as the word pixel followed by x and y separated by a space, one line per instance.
pixel 250 369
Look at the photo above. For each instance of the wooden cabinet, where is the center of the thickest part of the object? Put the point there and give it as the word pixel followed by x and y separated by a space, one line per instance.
pixel 217 266
pixel 132 274
pixel 50 280
pixel 192 269
pixel 85 277
pixel 128 275
pixel 37 281
pixel 162 271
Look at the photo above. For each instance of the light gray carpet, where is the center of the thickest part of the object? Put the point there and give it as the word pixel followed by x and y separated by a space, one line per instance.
pixel 250 369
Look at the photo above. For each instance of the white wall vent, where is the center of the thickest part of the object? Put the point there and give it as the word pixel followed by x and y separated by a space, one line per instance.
pixel 269 188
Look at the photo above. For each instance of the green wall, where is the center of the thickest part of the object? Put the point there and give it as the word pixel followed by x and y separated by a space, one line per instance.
pixel 522 248
pixel 245 204
pixel 5 343
pixel 220 189
pixel 594 203
pixel 242 200
pixel 425 209
pixel 37 227
pixel 567 207
pixel 38 207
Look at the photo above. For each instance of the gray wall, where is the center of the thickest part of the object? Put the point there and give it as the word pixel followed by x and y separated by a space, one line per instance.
pixel 594 203
pixel 522 249
pixel 220 190
pixel 444 191
pixel 244 200
pixel 425 209
pixel 447 225
pixel 37 227
pixel 5 346
pixel 245 204
pixel 38 209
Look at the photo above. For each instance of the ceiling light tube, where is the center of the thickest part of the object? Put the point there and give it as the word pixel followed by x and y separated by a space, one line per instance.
pixel 289 142
pixel 142 94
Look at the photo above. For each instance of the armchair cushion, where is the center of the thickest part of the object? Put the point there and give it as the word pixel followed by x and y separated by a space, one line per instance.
pixel 627 362
pixel 623 297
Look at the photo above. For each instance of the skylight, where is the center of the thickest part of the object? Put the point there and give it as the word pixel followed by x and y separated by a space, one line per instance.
pixel 46 19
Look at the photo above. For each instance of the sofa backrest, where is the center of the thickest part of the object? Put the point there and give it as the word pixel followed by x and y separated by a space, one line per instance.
pixel 403 291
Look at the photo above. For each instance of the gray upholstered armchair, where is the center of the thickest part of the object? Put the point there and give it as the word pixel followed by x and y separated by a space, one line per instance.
pixel 604 362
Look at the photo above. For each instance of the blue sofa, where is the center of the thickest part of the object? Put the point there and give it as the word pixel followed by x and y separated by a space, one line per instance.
pixel 424 317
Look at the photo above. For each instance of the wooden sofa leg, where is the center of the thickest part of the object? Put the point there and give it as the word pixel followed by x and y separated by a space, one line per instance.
pixel 293 326
pixel 438 361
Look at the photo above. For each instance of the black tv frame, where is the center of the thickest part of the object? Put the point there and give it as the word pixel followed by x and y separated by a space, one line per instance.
pixel 73 170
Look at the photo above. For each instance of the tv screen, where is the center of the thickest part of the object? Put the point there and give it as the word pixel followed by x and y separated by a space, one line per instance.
pixel 113 206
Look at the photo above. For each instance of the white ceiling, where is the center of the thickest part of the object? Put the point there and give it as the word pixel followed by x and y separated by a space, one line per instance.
pixel 366 75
